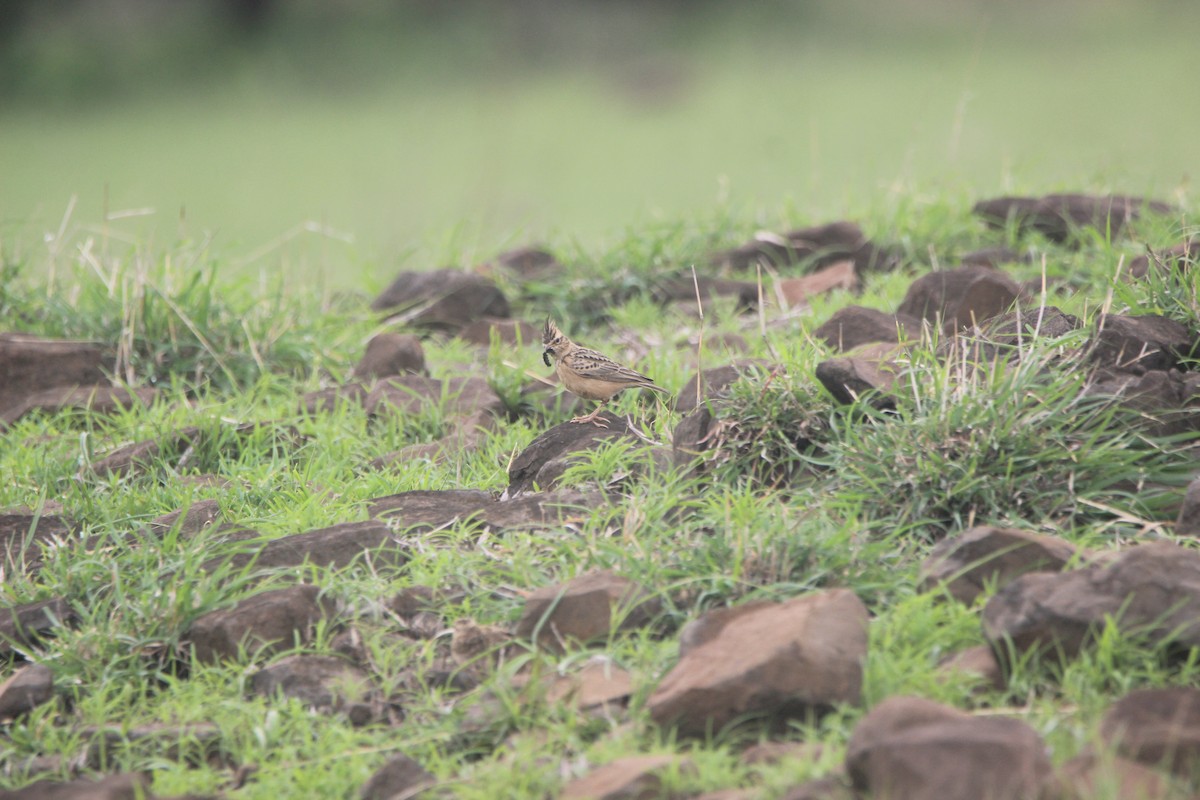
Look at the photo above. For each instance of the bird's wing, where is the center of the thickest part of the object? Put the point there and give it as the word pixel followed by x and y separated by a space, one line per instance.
pixel 590 364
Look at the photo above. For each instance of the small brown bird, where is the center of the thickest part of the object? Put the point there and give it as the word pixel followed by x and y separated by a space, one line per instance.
pixel 588 374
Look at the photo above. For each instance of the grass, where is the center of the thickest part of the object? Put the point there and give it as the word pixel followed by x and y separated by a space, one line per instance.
pixel 802 495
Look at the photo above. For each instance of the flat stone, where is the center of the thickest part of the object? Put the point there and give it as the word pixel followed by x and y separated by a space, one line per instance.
pixel 869 369
pixel 1157 727
pixel 26 689
pixel 421 511
pixel 445 298
pixel 965 565
pixel 629 778
pixel 585 609
pixel 23 626
pixel 391 354
pixel 325 683
pixel 959 298
pixel 259 625
pixel 853 326
pixel 400 777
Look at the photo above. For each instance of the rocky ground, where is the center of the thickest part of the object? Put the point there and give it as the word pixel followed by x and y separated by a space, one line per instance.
pixel 768 662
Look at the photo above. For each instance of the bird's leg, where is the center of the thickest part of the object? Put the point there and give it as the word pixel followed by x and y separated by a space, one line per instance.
pixel 592 417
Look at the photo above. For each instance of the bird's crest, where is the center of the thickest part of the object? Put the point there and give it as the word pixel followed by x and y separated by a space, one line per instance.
pixel 551 333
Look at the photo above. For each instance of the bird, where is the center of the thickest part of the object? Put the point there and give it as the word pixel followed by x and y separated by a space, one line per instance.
pixel 589 374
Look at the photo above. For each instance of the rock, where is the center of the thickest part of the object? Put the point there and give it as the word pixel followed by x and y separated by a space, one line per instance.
pixel 794 292
pixel 771 753
pixel 1059 216
pixel 1087 776
pixel 545 459
pixel 629 778
pixel 834 788
pixel 99 399
pixel 991 257
pixel 584 609
pixel 510 332
pixel 715 381
pixel 683 291
pixel 817 247
pixel 1179 257
pixel 421 511
pixel 32 364
pixel 324 683
pixel 915 749
pixel 600 686
pixel 416 394
pixel 192 744
pixel 479 646
pixel 260 625
pixel 866 370
pixel 25 690
pixel 400 777
pixel 977 662
pixel 22 626
pixel 179 449
pixel 1161 399
pixel 128 786
pixel 443 298
pixel 1141 343
pixel 1006 335
pixel 692 438
pixel 1188 522
pixel 329 401
pixel 465 437
pixel 852 326
pixel 530 263
pixel 1157 727
pixel 1152 590
pixel 187 521
pixel 964 565
pixel 335 547
pixel 783 661
pixel 390 354
pixel 23 534
pixel 959 298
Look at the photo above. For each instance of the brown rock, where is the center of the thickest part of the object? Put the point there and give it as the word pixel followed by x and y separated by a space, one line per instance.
pixel 335 547
pixel 683 291
pixel 829 788
pixel 390 354
pixel 424 510
pixel 629 778
pixel 328 401
pixel 915 749
pixel 443 298
pixel 692 437
pixel 966 564
pixel 188 521
pixel 193 744
pixel 865 370
pixel 32 364
pixel 1188 523
pixel 715 381
pixel 1006 335
pixel 584 609
pixel 400 777
pixel 530 263
pixel 1059 216
pixel 465 437
pixel 1087 776
pixel 959 298
pixel 97 399
pixel 510 332
pixel 129 786
pixel 1151 589
pixel 600 685
pixel 325 683
pixel 1141 343
pixel 991 257
pixel 261 624
pixel 852 326
pixel 25 690
pixel 417 394
pixel 1161 398
pixel 1179 257
pixel 816 247
pixel 1157 727
pixel 779 660
pixel 793 292
pixel 769 753
pixel 547 457
pixel 24 532
pixel 978 662
pixel 23 626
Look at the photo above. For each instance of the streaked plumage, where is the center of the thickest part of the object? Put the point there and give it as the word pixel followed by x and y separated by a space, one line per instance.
pixel 587 373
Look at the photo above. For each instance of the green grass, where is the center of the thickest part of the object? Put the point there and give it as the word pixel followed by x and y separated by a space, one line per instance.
pixel 854 505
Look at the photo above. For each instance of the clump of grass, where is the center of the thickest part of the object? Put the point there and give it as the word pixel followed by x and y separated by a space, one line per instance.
pixel 1020 441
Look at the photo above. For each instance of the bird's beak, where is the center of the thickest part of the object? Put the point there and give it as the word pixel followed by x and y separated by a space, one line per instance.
pixel 546 357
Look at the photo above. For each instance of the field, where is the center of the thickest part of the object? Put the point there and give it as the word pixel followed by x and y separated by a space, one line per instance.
pixel 236 314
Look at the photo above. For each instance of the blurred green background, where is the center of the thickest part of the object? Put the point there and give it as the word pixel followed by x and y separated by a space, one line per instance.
pixel 319 134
